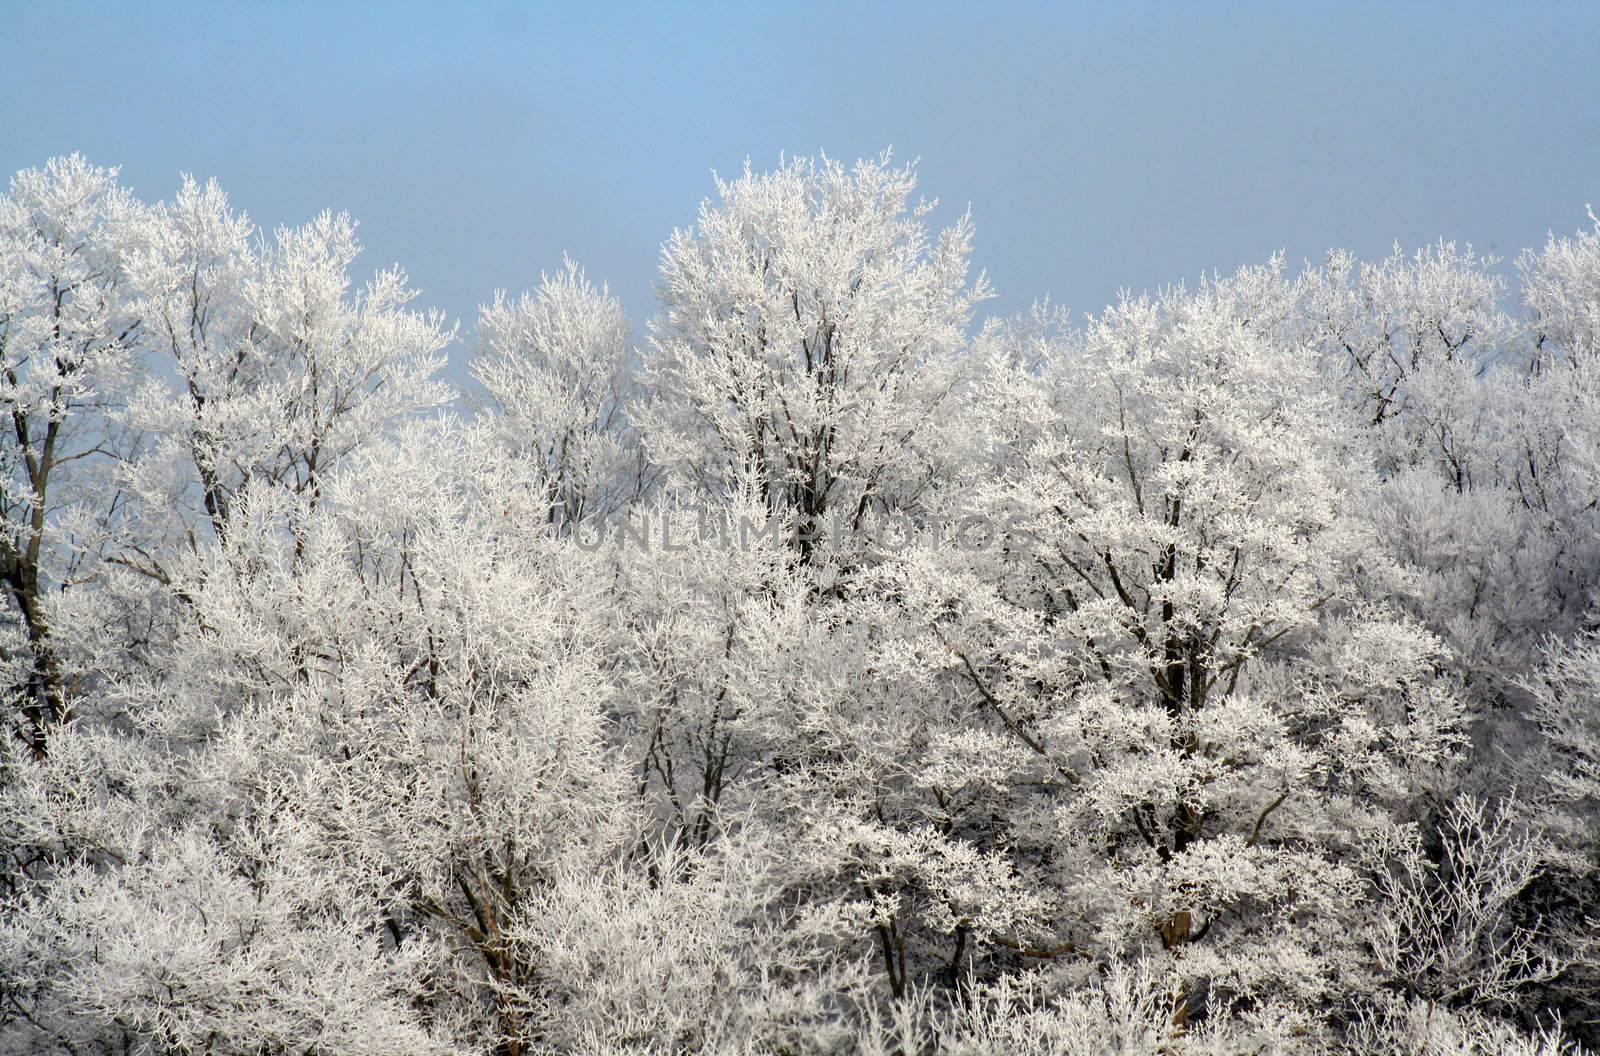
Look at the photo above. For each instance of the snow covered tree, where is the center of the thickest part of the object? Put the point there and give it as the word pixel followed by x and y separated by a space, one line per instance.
pixel 1447 931
pixel 389 741
pixel 1193 719
pixel 1411 336
pixel 1561 289
pixel 809 331
pixel 65 334
pixel 282 371
pixel 556 365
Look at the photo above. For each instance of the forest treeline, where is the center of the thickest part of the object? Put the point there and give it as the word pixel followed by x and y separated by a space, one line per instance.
pixel 1264 716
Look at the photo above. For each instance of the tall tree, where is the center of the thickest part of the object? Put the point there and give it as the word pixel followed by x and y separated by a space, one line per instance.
pixel 65 333
pixel 809 331
pixel 557 366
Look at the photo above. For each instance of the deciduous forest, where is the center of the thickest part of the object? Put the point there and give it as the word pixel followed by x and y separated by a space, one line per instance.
pixel 1217 672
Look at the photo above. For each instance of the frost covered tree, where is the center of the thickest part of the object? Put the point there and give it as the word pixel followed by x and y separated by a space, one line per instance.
pixel 65 336
pixel 1561 288
pixel 1177 697
pixel 390 744
pixel 282 371
pixel 1447 930
pixel 1412 335
pixel 809 331
pixel 556 366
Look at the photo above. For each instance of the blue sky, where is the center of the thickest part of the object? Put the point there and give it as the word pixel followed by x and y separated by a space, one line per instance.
pixel 476 143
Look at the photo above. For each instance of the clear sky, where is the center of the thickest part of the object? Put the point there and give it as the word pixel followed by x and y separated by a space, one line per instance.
pixel 476 143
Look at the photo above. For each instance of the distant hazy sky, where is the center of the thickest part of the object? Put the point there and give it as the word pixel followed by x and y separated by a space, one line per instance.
pixel 1098 149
